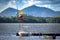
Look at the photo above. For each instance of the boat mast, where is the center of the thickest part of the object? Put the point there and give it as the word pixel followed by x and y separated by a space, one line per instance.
pixel 20 17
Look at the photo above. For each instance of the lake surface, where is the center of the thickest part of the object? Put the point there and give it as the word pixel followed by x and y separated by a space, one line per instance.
pixel 8 30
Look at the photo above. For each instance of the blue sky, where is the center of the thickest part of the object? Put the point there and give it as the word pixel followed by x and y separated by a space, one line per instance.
pixel 21 4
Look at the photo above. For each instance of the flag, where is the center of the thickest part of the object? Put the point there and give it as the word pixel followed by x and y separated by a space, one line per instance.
pixel 20 17
pixel 20 12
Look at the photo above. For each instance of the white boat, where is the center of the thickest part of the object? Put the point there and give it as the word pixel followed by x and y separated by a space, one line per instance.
pixel 22 33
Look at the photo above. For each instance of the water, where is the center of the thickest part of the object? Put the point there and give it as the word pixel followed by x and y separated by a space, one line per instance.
pixel 24 38
pixel 8 30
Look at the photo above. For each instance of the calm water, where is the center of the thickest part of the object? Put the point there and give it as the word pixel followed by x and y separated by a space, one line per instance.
pixel 8 30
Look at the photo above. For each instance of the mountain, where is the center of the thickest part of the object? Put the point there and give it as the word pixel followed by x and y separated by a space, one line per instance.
pixel 31 11
pixel 9 12
pixel 40 11
pixel 58 13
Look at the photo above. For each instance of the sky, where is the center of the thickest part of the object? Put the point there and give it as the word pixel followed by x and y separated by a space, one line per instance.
pixel 21 4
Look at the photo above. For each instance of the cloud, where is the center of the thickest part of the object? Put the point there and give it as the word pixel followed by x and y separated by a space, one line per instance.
pixel 41 3
pixel 27 3
pixel 0 3
pixel 47 5
pixel 21 4
pixel 14 0
pixel 55 7
pixel 6 4
pixel 3 5
pixel 3 8
pixel 24 4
